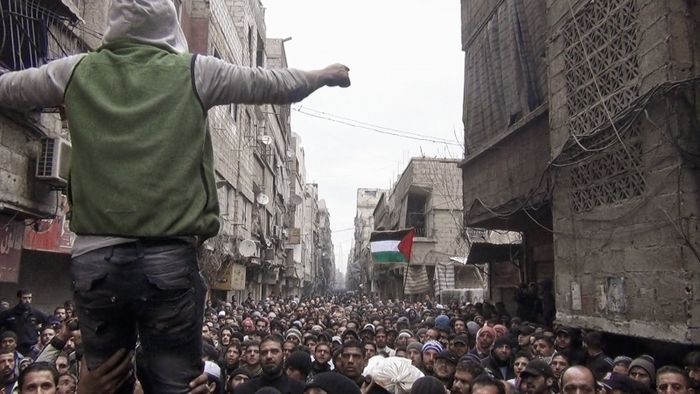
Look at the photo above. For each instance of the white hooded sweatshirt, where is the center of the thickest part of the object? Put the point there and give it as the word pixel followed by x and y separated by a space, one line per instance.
pixel 155 22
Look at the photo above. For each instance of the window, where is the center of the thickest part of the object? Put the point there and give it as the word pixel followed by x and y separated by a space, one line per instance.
pixel 27 40
pixel 415 213
pixel 260 54
pixel 251 49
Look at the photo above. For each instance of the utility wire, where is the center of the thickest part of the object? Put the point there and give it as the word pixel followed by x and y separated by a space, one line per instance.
pixel 376 129
pixel 305 108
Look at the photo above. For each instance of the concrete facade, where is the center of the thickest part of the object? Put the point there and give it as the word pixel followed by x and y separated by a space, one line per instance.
pixel 626 196
pixel 599 173
pixel 504 173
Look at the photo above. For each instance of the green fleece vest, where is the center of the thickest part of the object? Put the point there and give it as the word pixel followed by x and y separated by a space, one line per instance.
pixel 142 161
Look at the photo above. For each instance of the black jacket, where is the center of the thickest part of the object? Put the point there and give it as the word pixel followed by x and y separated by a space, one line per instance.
pixel 23 320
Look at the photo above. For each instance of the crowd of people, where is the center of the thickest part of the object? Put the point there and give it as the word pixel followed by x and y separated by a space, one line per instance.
pixel 344 345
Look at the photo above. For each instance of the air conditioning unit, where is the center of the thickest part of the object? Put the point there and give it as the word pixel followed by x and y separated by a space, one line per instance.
pixel 53 164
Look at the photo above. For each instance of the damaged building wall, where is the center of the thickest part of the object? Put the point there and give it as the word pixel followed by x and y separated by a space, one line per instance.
pixel 626 182
pixel 505 170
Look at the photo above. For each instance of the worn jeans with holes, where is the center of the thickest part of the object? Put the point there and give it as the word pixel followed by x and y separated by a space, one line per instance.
pixel 146 290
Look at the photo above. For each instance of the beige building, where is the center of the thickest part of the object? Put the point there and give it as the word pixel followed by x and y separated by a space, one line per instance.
pixel 359 260
pixel 427 197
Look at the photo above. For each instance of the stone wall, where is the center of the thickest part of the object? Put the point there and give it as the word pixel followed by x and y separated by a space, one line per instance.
pixel 626 197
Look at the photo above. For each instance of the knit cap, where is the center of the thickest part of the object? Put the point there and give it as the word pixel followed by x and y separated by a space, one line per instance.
pixel 295 333
pixel 472 327
pixel 442 321
pixel 432 345
pixel 622 360
pixel 646 363
pixel 416 346
pixel 487 329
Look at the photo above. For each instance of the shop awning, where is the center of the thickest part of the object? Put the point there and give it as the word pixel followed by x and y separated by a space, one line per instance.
pixel 484 252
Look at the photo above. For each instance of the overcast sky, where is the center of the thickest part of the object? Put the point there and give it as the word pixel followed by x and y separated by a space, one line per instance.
pixel 407 74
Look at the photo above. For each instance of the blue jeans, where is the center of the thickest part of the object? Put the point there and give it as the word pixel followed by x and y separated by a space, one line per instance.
pixel 150 291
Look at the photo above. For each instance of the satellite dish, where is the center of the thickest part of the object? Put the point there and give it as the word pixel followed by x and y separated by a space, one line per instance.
pixel 262 199
pixel 296 199
pixel 265 139
pixel 247 248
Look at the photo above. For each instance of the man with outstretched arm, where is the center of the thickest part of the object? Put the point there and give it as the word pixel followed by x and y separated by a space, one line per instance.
pixel 142 187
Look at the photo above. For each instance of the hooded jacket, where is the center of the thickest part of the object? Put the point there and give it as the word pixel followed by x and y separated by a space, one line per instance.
pixel 142 159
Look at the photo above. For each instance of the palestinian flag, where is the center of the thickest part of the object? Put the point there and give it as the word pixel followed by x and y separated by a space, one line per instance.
pixel 391 246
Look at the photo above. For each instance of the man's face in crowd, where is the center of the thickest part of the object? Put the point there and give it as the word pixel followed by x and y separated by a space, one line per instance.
pixel 459 348
pixel 66 385
pixel 416 357
pixel 272 358
pixel 62 364
pixel 578 380
pixel 9 343
pixel 261 325
pixel 443 369
pixel 60 313
pixel 7 366
pixel 429 359
pixel 252 355
pixel 672 383
pixel 460 327
pixel 433 334
pixel 523 340
pixel 248 326
pixel 287 348
pixel 47 335
pixel 559 364
pixel 38 382
pixel 485 339
pixel 531 384
pixel 519 365
pixel 380 339
pixel 238 380
pixel 543 348
pixel 225 337
pixel 641 375
pixel 232 355
pixel 367 336
pixel 311 344
pixel 25 299
pixel 370 351
pixel 563 341
pixel 621 368
pixel 353 362
pixel 402 341
pixel 322 353
pixel 503 352
pixel 461 384
pixel 206 332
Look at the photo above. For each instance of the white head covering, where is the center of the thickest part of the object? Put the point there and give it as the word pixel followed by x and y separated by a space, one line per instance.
pixel 148 21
